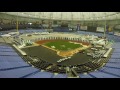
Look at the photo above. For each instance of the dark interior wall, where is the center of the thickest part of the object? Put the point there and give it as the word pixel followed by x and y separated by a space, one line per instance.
pixel 91 29
pixel 9 27
pixel 61 29
pixel 64 24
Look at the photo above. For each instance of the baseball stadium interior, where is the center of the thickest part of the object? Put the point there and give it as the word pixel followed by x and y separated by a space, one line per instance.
pixel 59 45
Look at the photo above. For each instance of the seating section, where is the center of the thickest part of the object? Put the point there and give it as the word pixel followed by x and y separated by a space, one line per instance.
pixel 112 71
pixel 32 31
pixel 13 26
pixel 8 53
pixel 85 76
pixel 7 65
pixel 114 61
pixel 45 75
pixel 99 74
pixel 60 76
pixel 6 50
pixel 115 65
pixel 17 73
pixel 37 75
pixel 61 29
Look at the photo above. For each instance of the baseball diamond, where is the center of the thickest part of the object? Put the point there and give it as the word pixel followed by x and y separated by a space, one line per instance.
pixel 64 48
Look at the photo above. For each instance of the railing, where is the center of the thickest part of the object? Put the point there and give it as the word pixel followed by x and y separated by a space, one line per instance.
pixel 107 53
pixel 23 53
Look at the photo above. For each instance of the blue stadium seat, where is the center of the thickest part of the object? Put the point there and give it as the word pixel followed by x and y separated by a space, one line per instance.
pixel 4 65
pixel 113 71
pixel 113 65
pixel 17 73
pixel 6 49
pixel 60 76
pixel 99 74
pixel 115 56
pixel 85 76
pixel 11 59
pixel 1 46
pixel 37 75
pixel 8 53
pixel 17 59
pixel 114 60
pixel 42 75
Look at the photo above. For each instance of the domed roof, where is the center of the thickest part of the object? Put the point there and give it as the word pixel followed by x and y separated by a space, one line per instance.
pixel 69 15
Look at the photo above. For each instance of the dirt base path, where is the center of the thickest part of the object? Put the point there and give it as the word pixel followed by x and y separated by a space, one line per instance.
pixel 70 53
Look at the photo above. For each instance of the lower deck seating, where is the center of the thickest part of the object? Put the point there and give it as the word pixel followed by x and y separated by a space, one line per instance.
pixel 60 76
pixel 7 65
pixel 117 65
pixel 114 61
pixel 99 74
pixel 8 53
pixel 85 76
pixel 37 75
pixel 113 71
pixel 45 75
pixel 17 73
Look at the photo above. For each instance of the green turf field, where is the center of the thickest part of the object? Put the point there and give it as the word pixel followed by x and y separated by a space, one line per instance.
pixel 62 45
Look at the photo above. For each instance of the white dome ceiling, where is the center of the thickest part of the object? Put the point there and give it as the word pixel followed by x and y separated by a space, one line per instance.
pixel 69 15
